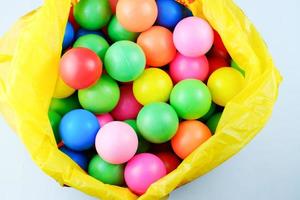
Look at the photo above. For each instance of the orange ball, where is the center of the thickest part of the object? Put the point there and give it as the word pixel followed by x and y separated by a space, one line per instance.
pixel 189 136
pixel 136 15
pixel 158 46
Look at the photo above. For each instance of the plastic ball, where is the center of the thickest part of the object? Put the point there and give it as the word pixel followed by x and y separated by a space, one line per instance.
pixel 125 61
pixel 78 130
pixel 113 5
pixel 237 67
pixel 190 135
pixel 116 142
pixel 154 85
pixel 72 19
pixel 128 107
pixel 104 119
pixel 82 32
pixel 54 119
pixel 63 106
pixel 213 122
pixel 191 99
pixel 183 67
pixel 93 42
pixel 136 15
pixel 143 170
pixel 193 37
pixel 62 90
pixel 218 48
pixel 216 63
pixel 80 68
pixel 157 122
pixel 69 35
pixel 117 32
pixel 106 172
pixel 143 144
pixel 157 43
pixel 101 97
pixel 170 160
pixel 92 14
pixel 224 84
pixel 78 157
pixel 169 13
pixel 211 111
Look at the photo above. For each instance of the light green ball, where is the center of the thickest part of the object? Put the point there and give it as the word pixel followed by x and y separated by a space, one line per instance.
pixel 101 97
pixel 125 61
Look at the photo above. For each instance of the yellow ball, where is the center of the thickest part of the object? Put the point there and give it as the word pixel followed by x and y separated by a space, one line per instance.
pixel 154 85
pixel 62 90
pixel 224 84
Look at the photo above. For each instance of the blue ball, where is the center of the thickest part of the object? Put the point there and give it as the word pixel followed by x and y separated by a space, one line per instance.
pixel 187 12
pixel 79 157
pixel 82 32
pixel 69 36
pixel 78 129
pixel 169 13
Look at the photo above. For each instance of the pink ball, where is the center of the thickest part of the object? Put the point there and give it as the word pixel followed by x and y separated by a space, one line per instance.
pixel 143 170
pixel 193 37
pixel 104 119
pixel 116 142
pixel 183 67
pixel 128 107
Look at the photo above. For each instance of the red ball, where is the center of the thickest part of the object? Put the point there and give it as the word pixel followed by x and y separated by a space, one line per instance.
pixel 80 68
pixel 128 107
pixel 156 148
pixel 72 19
pixel 218 48
pixel 216 63
pixel 170 160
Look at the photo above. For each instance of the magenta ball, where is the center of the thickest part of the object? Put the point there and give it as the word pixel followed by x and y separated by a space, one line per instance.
pixel 104 119
pixel 193 37
pixel 116 142
pixel 128 107
pixel 143 170
pixel 183 67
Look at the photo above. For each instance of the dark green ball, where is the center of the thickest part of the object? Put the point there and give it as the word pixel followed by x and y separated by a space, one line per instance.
pixel 117 32
pixel 106 172
pixel 211 111
pixel 55 119
pixel 63 106
pixel 92 14
pixel 213 122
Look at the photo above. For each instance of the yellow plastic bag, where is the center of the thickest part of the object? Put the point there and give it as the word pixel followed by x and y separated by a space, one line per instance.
pixel 29 59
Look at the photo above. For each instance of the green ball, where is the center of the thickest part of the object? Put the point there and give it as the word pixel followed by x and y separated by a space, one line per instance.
pixel 125 61
pixel 237 67
pixel 101 97
pixel 63 106
pixel 211 111
pixel 191 99
pixel 92 14
pixel 143 146
pixel 93 42
pixel 106 172
pixel 157 122
pixel 117 32
pixel 55 119
pixel 213 122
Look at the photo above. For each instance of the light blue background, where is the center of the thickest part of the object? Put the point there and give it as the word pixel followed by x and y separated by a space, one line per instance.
pixel 268 168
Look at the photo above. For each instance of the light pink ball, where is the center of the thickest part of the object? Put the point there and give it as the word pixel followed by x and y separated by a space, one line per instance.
pixel 104 119
pixel 116 142
pixel 143 170
pixel 193 37
pixel 128 107
pixel 183 67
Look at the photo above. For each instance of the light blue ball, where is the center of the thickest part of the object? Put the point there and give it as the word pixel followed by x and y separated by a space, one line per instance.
pixel 78 129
